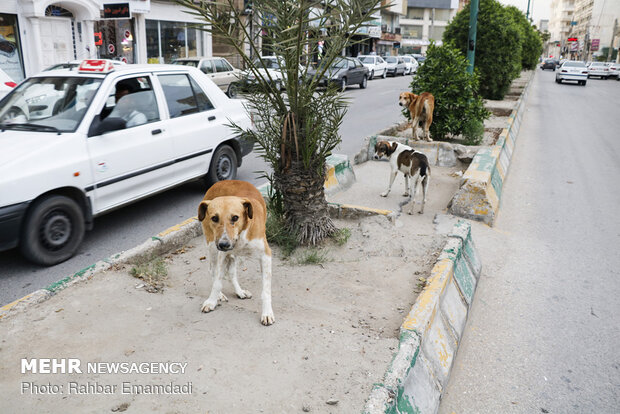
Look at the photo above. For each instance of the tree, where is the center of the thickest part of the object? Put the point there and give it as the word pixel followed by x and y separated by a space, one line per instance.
pixel 498 47
pixel 295 131
pixel 531 42
pixel 458 105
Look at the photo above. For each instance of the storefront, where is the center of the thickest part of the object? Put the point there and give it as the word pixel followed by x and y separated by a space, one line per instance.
pixel 166 41
pixel 11 61
pixel 115 33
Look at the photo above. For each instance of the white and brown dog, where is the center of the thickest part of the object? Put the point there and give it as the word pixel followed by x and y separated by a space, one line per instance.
pixel 233 216
pixel 413 164
pixel 421 109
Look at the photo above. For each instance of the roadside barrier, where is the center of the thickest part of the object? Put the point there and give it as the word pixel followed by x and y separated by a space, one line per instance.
pixel 431 332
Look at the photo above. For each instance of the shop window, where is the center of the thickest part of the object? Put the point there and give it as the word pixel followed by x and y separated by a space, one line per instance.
pixel 415 13
pixel 118 40
pixel 10 48
pixel 167 41
pixel 179 95
pixel 411 32
pixel 437 32
pixel 152 41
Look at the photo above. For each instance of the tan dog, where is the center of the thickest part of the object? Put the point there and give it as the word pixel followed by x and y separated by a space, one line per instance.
pixel 421 109
pixel 233 216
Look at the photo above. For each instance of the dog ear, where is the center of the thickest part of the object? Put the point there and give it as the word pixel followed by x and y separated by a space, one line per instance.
pixel 202 210
pixel 248 208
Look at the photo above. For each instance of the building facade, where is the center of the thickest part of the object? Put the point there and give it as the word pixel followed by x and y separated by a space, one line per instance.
pixel 425 21
pixel 561 27
pixel 35 34
pixel 595 21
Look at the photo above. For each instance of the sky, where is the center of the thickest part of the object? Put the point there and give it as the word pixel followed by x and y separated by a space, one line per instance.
pixel 539 9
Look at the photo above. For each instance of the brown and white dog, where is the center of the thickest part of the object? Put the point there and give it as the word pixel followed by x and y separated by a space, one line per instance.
pixel 421 110
pixel 233 216
pixel 410 162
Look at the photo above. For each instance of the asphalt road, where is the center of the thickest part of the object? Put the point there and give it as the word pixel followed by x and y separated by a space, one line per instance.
pixel 544 330
pixel 370 110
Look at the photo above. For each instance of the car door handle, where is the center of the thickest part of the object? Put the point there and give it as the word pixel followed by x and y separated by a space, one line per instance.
pixel 211 118
pixel 156 131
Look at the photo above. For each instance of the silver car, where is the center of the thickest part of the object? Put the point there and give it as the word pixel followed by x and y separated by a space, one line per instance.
pixel 600 69
pixel 218 69
pixel 395 65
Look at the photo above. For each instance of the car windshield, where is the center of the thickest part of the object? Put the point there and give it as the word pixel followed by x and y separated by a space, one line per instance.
pixel 268 63
pixel 62 66
pixel 391 60
pixel 574 64
pixel 50 104
pixel 367 59
pixel 598 64
pixel 193 63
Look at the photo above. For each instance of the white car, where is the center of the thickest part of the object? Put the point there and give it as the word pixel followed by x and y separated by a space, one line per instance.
pixel 375 64
pixel 600 69
pixel 411 65
pixel 115 136
pixel 614 69
pixel 6 84
pixel 572 70
pixel 218 69
pixel 269 67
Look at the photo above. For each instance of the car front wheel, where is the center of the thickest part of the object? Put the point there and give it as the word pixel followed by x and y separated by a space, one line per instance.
pixel 223 165
pixel 53 230
pixel 364 82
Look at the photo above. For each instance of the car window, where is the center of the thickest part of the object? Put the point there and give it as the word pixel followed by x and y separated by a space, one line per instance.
pixel 204 104
pixel 379 59
pixel 227 67
pixel 206 66
pixel 574 64
pixel 134 101
pixel 179 95
pixel 48 103
pixel 351 64
pixel 220 66
pixel 391 60
pixel 193 63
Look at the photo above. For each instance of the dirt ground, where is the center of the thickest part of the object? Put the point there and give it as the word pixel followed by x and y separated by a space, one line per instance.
pixel 336 329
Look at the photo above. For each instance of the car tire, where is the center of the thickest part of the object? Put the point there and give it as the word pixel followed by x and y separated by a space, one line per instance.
pixel 583 83
pixel 372 75
pixel 13 113
pixel 364 82
pixel 384 74
pixel 223 165
pixel 53 230
pixel 232 91
pixel 343 84
pixel 588 76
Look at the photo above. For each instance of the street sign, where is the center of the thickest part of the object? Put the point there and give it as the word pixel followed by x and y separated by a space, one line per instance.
pixel 127 34
pixel 111 48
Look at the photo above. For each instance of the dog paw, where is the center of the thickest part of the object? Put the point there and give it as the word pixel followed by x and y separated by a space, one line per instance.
pixel 384 194
pixel 267 319
pixel 244 294
pixel 223 298
pixel 208 306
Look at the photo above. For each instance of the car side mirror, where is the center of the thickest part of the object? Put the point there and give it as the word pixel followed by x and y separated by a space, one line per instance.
pixel 99 127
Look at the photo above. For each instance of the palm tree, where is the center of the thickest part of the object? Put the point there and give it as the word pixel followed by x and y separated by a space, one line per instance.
pixel 295 131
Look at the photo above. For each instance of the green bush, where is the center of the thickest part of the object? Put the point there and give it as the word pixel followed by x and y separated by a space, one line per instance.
pixel 457 104
pixel 531 42
pixel 498 46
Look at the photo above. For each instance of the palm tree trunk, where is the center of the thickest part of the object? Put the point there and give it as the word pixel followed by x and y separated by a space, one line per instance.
pixel 305 208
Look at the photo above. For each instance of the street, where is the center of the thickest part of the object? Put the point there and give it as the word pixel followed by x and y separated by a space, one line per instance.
pixel 543 331
pixel 371 110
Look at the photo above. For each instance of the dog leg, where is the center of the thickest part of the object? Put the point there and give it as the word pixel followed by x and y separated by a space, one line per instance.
pixel 414 190
pixel 406 194
pixel 267 317
pixel 216 263
pixel 232 270
pixel 424 188
pixel 392 177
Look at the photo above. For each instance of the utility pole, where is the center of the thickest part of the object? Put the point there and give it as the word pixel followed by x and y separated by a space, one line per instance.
pixel 471 41
pixel 527 13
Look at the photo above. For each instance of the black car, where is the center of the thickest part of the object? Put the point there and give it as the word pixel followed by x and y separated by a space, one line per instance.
pixel 343 72
pixel 548 64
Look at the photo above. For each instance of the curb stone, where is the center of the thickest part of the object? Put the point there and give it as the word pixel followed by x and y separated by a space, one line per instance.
pixel 480 192
pixel 431 332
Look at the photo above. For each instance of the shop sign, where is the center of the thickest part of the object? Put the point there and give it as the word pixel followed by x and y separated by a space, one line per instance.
pixel 140 6
pixel 98 39
pixel 116 11
pixel 595 44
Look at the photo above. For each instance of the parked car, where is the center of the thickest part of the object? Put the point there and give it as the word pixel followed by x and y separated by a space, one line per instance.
pixel 614 69
pixel 411 65
pixel 419 58
pixel 395 65
pixel 218 69
pixel 6 84
pixel 375 64
pixel 599 69
pixel 117 134
pixel 572 70
pixel 343 72
pixel 73 64
pixel 271 69
pixel 548 64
